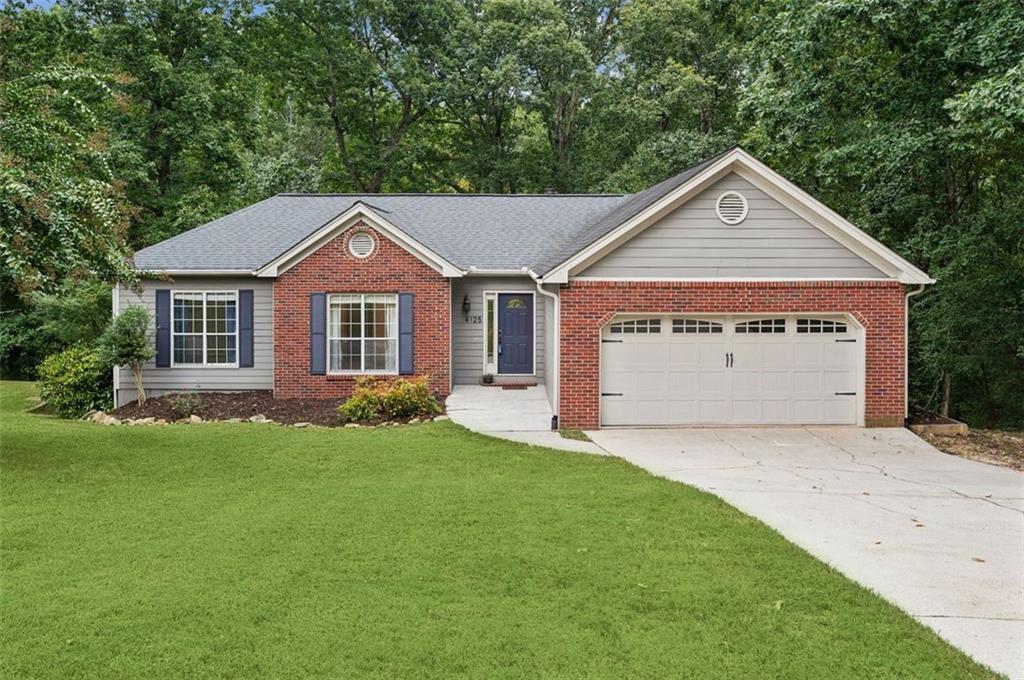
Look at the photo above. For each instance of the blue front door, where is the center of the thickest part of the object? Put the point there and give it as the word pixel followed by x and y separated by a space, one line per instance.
pixel 515 333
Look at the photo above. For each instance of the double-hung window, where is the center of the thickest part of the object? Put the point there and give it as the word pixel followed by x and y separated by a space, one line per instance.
pixel 362 333
pixel 205 328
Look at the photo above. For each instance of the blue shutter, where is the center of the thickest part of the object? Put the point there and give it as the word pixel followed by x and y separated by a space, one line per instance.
pixel 163 328
pixel 318 333
pixel 405 334
pixel 245 328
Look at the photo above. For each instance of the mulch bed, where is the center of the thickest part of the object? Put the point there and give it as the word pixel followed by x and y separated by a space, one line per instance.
pixel 997 447
pixel 225 405
pixel 923 416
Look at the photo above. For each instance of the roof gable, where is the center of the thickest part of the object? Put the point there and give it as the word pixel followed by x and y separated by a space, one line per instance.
pixel 771 242
pixel 665 197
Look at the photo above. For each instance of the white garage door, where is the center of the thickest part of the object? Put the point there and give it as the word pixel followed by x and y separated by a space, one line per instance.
pixel 782 370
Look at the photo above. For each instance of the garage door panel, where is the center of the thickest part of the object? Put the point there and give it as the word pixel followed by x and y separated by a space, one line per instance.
pixel 713 411
pixel 689 378
pixel 651 382
pixel 712 383
pixel 685 383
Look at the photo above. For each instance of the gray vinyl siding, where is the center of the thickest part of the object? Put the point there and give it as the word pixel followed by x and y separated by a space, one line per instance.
pixel 160 381
pixel 548 369
pixel 772 242
pixel 468 337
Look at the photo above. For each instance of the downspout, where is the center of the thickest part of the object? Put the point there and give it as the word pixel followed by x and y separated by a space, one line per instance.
pixel 906 348
pixel 556 381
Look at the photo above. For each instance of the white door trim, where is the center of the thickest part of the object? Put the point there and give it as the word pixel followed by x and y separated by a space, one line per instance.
pixel 533 330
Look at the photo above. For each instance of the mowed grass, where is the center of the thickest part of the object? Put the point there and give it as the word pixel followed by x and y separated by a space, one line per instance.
pixel 426 551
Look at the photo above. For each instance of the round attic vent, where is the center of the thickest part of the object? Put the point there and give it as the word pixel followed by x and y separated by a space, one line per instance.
pixel 361 244
pixel 731 207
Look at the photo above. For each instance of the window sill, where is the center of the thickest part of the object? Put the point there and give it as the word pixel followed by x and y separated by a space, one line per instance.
pixel 358 374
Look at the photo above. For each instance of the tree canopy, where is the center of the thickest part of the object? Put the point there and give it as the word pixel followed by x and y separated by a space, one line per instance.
pixel 124 122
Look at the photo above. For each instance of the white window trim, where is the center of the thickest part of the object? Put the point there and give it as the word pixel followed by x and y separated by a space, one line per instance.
pixel 362 335
pixel 174 334
pixel 490 368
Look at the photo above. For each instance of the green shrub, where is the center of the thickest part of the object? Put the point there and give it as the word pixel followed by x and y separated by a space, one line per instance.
pixel 376 399
pixel 126 343
pixel 75 381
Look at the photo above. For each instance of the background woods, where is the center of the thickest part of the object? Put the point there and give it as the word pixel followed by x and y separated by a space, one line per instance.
pixel 123 123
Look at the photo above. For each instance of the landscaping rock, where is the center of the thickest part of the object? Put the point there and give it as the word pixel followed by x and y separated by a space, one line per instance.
pixel 90 414
pixel 302 424
pixel 194 420
pixel 109 420
pixel 415 421
pixel 144 421
pixel 258 418
pixel 160 421
pixel 233 420
pixel 438 419
pixel 352 425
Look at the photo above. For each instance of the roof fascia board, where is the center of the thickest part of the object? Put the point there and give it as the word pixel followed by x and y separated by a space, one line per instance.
pixel 342 222
pixel 624 231
pixel 730 279
pixel 194 272
pixel 828 220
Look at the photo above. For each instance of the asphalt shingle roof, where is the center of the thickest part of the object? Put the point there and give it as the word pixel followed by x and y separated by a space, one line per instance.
pixel 486 231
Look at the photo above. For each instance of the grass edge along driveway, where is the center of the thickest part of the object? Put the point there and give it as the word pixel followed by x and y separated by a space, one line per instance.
pixel 424 551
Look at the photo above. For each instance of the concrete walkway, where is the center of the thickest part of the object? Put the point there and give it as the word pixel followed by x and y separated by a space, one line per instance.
pixel 522 415
pixel 941 537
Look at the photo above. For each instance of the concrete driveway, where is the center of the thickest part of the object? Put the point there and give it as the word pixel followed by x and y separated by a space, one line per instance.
pixel 939 536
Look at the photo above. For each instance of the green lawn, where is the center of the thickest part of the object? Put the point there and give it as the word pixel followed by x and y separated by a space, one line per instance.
pixel 425 551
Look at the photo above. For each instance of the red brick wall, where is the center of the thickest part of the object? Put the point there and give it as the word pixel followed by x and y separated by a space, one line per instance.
pixel 332 269
pixel 587 306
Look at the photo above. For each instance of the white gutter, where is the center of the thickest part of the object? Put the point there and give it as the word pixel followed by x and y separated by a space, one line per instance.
pixel 906 348
pixel 476 271
pixel 556 362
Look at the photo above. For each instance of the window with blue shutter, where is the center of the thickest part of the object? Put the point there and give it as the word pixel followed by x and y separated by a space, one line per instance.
pixel 163 328
pixel 318 333
pixel 405 334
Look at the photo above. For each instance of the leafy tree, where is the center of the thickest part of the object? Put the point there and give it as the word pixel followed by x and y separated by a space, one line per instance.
pixel 63 212
pixel 370 68
pixel 188 107
pixel 126 342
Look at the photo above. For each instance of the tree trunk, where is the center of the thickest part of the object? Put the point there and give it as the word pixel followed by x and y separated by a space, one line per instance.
pixel 137 377
pixel 944 408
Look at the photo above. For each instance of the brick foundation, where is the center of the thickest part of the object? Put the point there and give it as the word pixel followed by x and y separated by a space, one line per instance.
pixel 332 269
pixel 586 306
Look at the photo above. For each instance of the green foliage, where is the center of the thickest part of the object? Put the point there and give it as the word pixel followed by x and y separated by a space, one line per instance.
pixel 375 399
pixel 75 381
pixel 184 404
pixel 75 313
pixel 126 341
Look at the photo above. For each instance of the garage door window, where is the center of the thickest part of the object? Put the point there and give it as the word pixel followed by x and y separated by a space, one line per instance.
pixel 819 326
pixel 635 326
pixel 761 326
pixel 695 326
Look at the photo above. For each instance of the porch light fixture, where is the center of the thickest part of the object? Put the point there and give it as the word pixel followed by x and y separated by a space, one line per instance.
pixel 466 307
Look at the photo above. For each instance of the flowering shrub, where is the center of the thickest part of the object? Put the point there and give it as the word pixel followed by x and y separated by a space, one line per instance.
pixel 375 399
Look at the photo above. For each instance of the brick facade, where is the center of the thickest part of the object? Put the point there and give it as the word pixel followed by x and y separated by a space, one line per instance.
pixel 332 269
pixel 586 306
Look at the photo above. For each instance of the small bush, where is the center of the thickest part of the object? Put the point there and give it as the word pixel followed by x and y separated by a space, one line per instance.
pixel 376 399
pixel 75 381
pixel 185 404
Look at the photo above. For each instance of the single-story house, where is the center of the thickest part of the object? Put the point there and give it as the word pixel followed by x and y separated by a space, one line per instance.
pixel 722 295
